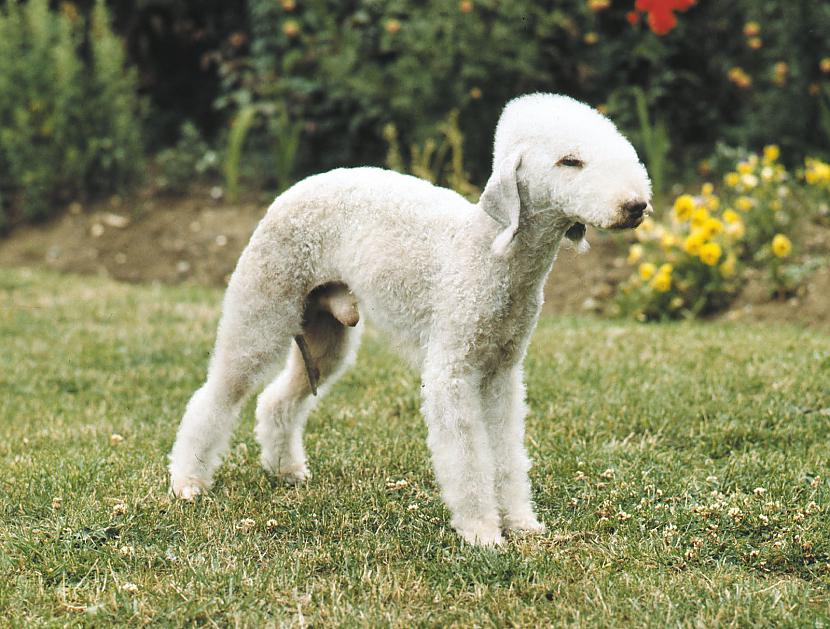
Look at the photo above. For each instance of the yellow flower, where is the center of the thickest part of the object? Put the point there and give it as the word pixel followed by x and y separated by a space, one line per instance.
pixel 699 217
pixel 591 38
pixel 676 302
pixel 693 243
pixel 731 216
pixel 745 168
pixel 781 246
pixel 752 29
pixel 661 282
pixel 749 181
pixel 668 241
pixel 475 93
pixel 744 204
pixel 291 28
pixel 712 227
pixel 392 26
pixel 755 43
pixel 710 253
pixel 727 267
pixel 598 5
pixel 775 204
pixel 647 225
pixel 736 231
pixel 739 77
pixel 780 71
pixel 732 179
pixel 817 172
pixel 713 203
pixel 635 253
pixel 707 189
pixel 771 153
pixel 647 271
pixel 824 65
pixel 683 207
pixel 666 268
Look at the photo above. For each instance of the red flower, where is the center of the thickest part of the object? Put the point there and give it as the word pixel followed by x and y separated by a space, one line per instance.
pixel 662 21
pixel 661 18
pixel 633 17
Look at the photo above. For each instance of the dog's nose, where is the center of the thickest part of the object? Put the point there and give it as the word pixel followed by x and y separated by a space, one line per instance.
pixel 635 209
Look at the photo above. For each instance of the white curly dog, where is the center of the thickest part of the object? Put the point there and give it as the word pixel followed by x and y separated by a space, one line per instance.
pixel 458 284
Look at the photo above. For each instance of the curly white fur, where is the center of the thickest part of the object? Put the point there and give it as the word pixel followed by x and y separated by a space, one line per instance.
pixel 460 284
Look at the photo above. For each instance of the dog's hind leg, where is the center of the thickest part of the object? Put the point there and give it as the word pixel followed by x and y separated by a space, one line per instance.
pixel 254 334
pixel 284 406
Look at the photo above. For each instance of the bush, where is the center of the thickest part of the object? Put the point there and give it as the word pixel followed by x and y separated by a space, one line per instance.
pixel 191 158
pixel 438 161
pixel 691 262
pixel 70 120
pixel 346 70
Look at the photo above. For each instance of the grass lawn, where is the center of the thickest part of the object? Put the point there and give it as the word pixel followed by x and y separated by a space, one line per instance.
pixel 682 471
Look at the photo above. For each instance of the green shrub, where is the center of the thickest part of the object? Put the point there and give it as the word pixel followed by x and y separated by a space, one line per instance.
pixel 438 161
pixel 70 121
pixel 191 158
pixel 281 134
pixel 345 70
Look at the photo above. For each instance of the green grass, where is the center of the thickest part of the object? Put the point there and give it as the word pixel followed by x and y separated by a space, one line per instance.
pixel 649 443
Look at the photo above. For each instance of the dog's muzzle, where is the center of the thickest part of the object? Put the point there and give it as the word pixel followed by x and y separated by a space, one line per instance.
pixel 632 214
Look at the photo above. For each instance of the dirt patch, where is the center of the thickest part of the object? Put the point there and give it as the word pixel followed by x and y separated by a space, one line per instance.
pixel 198 239
pixel 194 239
pixel 582 282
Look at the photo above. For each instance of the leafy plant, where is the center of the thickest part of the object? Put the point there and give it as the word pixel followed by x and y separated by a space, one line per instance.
pixel 286 136
pixel 69 109
pixel 440 161
pixel 190 158
pixel 240 126
pixel 691 262
pixel 656 144
pixel 282 133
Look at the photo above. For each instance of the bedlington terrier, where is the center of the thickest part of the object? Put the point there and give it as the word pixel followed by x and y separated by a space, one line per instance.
pixel 458 284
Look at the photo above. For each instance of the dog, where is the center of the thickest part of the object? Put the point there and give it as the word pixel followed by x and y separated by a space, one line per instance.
pixel 459 284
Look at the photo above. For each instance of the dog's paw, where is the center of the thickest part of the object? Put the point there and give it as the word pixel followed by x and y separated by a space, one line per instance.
pixel 188 488
pixel 296 474
pixel 481 535
pixel 524 526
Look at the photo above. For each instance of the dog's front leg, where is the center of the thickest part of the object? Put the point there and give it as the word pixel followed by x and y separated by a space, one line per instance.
pixel 461 453
pixel 505 410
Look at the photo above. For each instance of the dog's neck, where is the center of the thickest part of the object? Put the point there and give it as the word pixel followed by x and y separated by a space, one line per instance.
pixel 535 246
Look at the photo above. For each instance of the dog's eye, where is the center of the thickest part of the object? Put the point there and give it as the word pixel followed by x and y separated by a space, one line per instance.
pixel 570 162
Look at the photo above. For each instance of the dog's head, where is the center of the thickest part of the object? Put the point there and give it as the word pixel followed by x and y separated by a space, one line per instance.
pixel 560 158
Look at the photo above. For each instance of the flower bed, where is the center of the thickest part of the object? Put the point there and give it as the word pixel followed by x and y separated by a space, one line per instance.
pixel 691 262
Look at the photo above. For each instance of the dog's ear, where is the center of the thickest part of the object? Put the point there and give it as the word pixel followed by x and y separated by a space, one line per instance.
pixel 576 234
pixel 501 201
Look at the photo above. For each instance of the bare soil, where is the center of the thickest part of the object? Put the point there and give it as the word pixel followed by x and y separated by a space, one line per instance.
pixel 198 239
